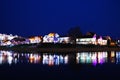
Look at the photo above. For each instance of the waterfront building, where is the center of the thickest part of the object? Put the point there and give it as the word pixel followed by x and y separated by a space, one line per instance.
pixel 6 39
pixel 101 41
pixel 6 43
pixel 86 40
pixel 91 40
pixel 64 40
pixel 51 38
pixel 35 39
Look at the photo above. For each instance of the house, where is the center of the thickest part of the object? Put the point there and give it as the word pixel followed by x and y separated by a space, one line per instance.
pixel 64 39
pixel 35 39
pixel 95 40
pixel 86 40
pixel 51 38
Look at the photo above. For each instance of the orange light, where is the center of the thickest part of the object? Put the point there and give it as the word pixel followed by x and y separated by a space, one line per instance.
pixel 51 34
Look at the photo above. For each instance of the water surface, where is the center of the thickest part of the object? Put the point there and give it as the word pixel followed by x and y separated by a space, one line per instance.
pixel 60 66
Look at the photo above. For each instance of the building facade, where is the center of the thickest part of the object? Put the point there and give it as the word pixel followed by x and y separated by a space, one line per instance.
pixel 92 40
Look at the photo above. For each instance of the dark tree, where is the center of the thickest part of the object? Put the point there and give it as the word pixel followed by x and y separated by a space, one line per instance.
pixel 108 42
pixel 90 34
pixel 74 32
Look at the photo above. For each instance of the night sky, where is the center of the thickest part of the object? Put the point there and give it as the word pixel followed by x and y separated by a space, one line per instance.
pixel 39 17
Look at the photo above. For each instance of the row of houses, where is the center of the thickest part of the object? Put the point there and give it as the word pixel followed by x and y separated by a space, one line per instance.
pixel 6 39
pixel 50 38
pixel 54 38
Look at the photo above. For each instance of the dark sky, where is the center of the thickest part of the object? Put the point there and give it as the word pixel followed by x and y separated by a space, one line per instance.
pixel 39 17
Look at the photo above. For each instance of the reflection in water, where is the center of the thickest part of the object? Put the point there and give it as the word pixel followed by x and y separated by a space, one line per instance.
pixel 49 59
pixel 54 59
pixel 112 57
pixel 26 58
pixel 94 58
pixel 117 57
pixel 5 56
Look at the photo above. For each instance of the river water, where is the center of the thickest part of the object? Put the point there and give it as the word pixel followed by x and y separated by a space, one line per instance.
pixel 60 66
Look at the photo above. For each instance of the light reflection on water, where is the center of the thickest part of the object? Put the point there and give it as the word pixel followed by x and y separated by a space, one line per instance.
pixel 33 58
pixel 54 59
pixel 94 58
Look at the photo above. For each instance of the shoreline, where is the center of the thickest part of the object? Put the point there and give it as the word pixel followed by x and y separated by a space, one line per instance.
pixel 60 50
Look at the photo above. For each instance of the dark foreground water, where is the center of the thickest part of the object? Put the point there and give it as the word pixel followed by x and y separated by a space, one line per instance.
pixel 60 66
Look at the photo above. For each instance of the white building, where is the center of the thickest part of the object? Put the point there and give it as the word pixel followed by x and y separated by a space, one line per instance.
pixel 6 43
pixel 5 39
pixel 101 41
pixel 86 41
pixel 64 39
pixel 51 38
pixel 92 40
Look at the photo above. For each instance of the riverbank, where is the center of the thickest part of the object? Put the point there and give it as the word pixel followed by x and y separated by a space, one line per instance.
pixel 53 48
pixel 68 50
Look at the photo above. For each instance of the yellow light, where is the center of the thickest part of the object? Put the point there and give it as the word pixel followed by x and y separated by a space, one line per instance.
pixel 51 34
pixel 112 53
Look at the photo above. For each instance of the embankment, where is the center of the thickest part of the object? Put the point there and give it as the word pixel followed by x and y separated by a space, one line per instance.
pixel 56 49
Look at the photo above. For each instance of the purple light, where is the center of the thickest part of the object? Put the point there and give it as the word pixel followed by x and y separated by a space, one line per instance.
pixel 100 38
pixel 94 36
pixel 94 62
pixel 101 60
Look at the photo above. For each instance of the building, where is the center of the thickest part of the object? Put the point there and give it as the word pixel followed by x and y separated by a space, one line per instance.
pixel 86 40
pixel 64 40
pixel 91 40
pixel 101 41
pixel 35 39
pixel 6 43
pixel 6 39
pixel 51 38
